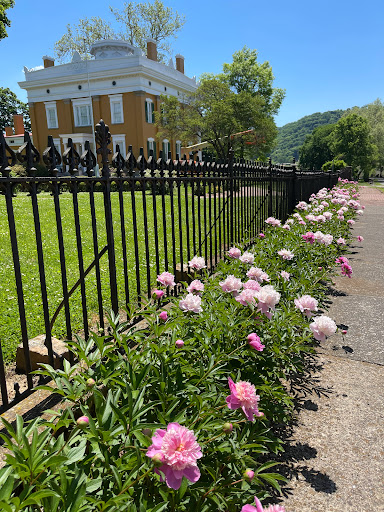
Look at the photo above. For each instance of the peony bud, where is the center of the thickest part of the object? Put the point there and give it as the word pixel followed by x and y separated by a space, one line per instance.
pixel 261 235
pixel 248 475
pixel 344 331
pixel 90 383
pixel 163 316
pixel 227 428
pixel 179 343
pixel 158 459
pixel 83 421
pixel 157 294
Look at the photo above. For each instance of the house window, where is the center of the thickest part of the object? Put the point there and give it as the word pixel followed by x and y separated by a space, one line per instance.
pixel 116 102
pixel 57 144
pixel 151 145
pixel 51 112
pixel 149 110
pixel 178 148
pixel 166 148
pixel 120 140
pixel 82 112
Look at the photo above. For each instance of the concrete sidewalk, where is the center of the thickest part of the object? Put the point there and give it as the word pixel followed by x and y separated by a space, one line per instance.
pixel 339 439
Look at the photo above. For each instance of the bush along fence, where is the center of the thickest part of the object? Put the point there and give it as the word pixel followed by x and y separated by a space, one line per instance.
pixel 81 245
pixel 180 414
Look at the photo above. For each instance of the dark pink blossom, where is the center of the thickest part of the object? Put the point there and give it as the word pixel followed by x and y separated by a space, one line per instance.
pixel 243 395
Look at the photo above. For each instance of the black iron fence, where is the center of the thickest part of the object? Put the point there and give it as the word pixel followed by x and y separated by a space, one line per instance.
pixel 74 246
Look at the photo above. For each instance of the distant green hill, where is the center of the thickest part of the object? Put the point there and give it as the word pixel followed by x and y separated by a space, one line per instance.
pixel 291 136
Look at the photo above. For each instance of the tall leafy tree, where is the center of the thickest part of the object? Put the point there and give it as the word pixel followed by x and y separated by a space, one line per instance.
pixel 4 20
pixel 224 105
pixel 351 141
pixel 136 22
pixel 316 149
pixel 9 105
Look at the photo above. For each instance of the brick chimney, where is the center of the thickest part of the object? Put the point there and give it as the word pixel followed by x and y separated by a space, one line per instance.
pixel 152 49
pixel 48 61
pixel 18 124
pixel 8 131
pixel 180 63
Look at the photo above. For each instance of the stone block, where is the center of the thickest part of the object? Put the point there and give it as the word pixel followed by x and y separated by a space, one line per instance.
pixel 39 353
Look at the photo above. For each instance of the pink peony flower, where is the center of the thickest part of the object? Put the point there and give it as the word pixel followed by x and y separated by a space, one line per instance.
pixel 251 285
pixel 259 508
pixel 261 235
pixel 285 275
pixel 360 238
pixel 302 222
pixel 247 257
pixel 163 316
pixel 285 254
pixel 246 297
pixel 257 274
pixel 341 260
pixel 157 294
pixel 166 279
pixel 309 237
pixel 306 304
pixel 346 270
pixel 243 395
pixel 350 222
pixel 254 342
pixel 234 252
pixel 268 297
pixel 179 343
pixel 191 303
pixel 340 241
pixel 196 286
pixel 273 222
pixel 177 449
pixel 197 262
pixel 231 285
pixel 322 326
pixel 287 227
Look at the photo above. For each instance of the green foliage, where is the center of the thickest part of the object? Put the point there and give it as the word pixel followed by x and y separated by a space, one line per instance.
pixel 316 148
pixel 334 164
pixel 137 22
pixel 351 140
pixel 240 99
pixel 4 20
pixel 9 105
pixel 292 135
pixel 143 383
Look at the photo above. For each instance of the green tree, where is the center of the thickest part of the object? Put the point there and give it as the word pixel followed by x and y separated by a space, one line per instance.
pixel 316 149
pixel 149 20
pixel 137 22
pixel 351 141
pixel 4 20
pixel 9 105
pixel 80 37
pixel 224 105
pixel 374 113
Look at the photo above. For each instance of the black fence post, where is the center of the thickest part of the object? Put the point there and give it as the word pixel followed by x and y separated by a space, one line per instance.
pixel 270 205
pixel 294 186
pixel 231 187
pixel 103 139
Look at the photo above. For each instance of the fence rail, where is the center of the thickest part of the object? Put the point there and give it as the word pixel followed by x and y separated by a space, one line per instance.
pixel 85 244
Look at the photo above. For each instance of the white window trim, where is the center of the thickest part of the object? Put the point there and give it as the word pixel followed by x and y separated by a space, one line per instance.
pixel 151 141
pixel 80 103
pixel 116 98
pixel 178 142
pixel 149 103
pixel 120 140
pixel 166 141
pixel 57 143
pixel 51 105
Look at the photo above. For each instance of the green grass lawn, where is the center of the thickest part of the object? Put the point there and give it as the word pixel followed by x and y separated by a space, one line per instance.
pixel 10 329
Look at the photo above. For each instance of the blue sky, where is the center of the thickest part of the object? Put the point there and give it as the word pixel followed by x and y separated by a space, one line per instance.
pixel 327 55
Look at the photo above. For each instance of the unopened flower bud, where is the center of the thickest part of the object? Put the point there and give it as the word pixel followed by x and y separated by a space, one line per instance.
pixel 157 294
pixel 227 428
pixel 248 475
pixel 90 383
pixel 83 421
pixel 344 331
pixel 163 316
pixel 157 459
pixel 179 343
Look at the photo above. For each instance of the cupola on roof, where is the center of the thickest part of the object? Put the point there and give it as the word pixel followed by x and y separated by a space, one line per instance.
pixel 112 49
